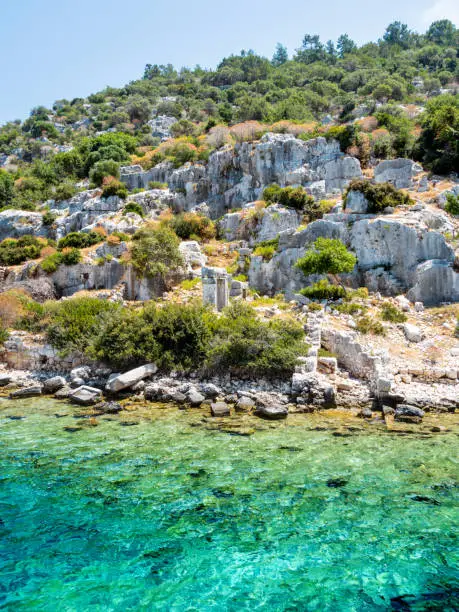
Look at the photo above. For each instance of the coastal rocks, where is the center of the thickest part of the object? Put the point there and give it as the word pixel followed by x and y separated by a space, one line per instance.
pixel 51 385
pixel 85 396
pixel 118 382
pixel 245 404
pixel 272 413
pixel 220 409
pixel 399 172
pixel 408 414
pixel 5 379
pixel 412 332
pixel 31 391
pixel 63 393
pixel 194 398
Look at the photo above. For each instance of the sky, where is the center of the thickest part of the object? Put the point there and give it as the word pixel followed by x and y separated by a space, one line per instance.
pixel 55 49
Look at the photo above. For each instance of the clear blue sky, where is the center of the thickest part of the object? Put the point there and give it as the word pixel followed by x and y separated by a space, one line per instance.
pixel 55 49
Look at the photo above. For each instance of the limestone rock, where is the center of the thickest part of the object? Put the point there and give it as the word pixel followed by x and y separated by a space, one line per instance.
pixel 16 223
pixel 5 379
pixel 272 413
pixel 195 398
pixel 85 395
pixel 219 409
pixel 412 332
pixel 399 172
pixel 118 382
pixel 356 202
pixel 51 385
pixel 31 391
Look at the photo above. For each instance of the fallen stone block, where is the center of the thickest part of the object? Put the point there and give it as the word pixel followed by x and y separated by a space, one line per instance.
pixel 85 396
pixel 118 382
pixel 51 385
pixel 272 413
pixel 26 392
pixel 219 409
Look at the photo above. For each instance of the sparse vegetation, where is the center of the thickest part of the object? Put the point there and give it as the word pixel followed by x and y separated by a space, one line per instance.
pixel 391 313
pixel 379 196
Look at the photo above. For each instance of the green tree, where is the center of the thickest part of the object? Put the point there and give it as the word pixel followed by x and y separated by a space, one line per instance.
pixel 280 55
pixel 438 145
pixel 155 252
pixel 345 45
pixel 441 32
pixel 6 189
pixel 102 169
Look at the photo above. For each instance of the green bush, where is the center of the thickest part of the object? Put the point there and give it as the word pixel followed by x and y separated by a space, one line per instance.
pixel 155 252
pixel 267 248
pixel 391 313
pixel 80 240
pixel 103 169
pixel 133 207
pixel 51 263
pixel 65 191
pixel 174 336
pixel 48 218
pixel 379 196
pixel 241 343
pixel 189 224
pixel 327 256
pixel 367 325
pixel 290 197
pixel 452 204
pixel 70 256
pixel 74 323
pixel 323 290
pixel 14 252
pixel 115 188
pixel 6 189
pixel 4 335
pixel 350 308
pixel 157 185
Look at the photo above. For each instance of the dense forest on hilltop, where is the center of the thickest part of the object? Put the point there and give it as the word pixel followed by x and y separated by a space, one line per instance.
pixel 393 98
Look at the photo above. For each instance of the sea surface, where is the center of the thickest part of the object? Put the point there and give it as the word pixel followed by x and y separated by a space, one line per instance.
pixel 155 511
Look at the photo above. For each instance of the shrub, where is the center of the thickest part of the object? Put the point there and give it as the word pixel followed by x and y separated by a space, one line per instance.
pixel 452 204
pixel 242 343
pixel 80 240
pixel 391 313
pixel 70 256
pixel 190 283
pixel 75 322
pixel 291 197
pixel 367 325
pixel 157 185
pixel 13 252
pixel 103 169
pixel 64 191
pixel 19 310
pixel 379 196
pixel 133 207
pixel 327 256
pixel 122 237
pixel 314 307
pixel 173 336
pixel 4 335
pixel 6 189
pixel 51 263
pixel 48 218
pixel 187 224
pixel 267 248
pixel 155 251
pixel 323 290
pixel 350 308
pixel 113 187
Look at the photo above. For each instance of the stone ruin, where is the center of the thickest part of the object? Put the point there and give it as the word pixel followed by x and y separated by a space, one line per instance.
pixel 215 287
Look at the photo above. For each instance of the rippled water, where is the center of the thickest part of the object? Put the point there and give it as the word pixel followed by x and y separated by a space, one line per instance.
pixel 167 515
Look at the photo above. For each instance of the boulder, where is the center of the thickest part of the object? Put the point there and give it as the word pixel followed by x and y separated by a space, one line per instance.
pixel 51 385
pixel 272 413
pixel 356 202
pixel 26 392
pixel 63 393
pixel 412 332
pixel 118 382
pixel 85 396
pixel 210 390
pixel 16 223
pixel 5 379
pixel 195 398
pixel 219 409
pixel 245 404
pixel 399 172
pixel 408 414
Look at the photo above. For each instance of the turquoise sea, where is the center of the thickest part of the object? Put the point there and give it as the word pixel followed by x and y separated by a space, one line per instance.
pixel 167 514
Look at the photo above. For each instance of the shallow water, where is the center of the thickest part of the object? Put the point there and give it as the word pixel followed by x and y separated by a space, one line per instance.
pixel 167 515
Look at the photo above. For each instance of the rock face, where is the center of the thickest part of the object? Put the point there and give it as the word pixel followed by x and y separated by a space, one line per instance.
pixel 236 175
pixel 254 225
pixel 394 255
pixel 85 396
pixel 399 172
pixel 118 382
pixel 17 223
